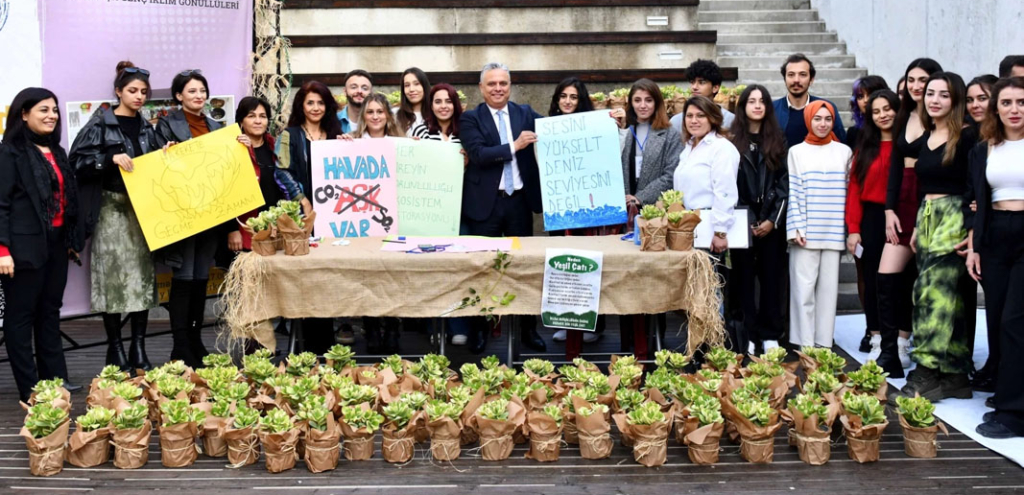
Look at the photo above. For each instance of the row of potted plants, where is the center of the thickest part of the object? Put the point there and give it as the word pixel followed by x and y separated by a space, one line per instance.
pixel 302 409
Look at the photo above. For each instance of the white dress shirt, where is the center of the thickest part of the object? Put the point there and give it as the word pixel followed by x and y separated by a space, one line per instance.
pixel 706 176
pixel 517 180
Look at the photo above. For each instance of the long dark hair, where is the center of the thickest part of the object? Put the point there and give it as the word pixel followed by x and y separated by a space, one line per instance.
pixel 773 141
pixel 865 85
pixel 869 141
pixel 329 124
pixel 992 129
pixel 584 105
pixel 16 132
pixel 433 127
pixel 659 120
pixel 907 104
pixel 405 117
pixel 957 112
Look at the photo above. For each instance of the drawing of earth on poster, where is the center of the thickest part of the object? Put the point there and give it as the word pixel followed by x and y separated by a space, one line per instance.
pixel 580 171
pixel 354 189
pixel 194 186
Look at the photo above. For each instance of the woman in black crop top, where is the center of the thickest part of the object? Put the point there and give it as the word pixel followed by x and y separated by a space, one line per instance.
pixel 996 258
pixel 896 273
pixel 942 290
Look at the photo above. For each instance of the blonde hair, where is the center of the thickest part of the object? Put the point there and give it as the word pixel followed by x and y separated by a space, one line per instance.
pixel 390 126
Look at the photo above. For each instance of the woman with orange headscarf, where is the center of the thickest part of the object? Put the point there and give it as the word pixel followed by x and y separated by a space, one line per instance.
pixel 814 225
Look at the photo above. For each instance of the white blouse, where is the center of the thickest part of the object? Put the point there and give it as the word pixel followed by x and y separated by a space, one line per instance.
pixel 706 176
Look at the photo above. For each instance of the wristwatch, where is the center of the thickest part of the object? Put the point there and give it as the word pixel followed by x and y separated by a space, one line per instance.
pixel 720 235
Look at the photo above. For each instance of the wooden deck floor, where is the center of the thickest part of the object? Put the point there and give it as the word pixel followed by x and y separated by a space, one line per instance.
pixel 963 466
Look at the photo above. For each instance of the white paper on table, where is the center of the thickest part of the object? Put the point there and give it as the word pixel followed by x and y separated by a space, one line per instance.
pixel 738 235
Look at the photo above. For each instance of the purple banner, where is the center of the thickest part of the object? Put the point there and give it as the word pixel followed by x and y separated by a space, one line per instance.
pixel 83 40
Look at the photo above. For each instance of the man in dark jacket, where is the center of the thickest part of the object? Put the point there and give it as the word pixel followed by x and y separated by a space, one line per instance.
pixel 501 187
pixel 798 72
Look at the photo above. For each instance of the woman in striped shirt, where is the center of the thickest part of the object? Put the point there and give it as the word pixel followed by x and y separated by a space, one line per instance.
pixel 441 116
pixel 814 223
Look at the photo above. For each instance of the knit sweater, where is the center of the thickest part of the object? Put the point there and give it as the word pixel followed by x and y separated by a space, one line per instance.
pixel 817 193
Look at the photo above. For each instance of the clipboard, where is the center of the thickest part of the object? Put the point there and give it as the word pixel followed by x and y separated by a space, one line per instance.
pixel 738 235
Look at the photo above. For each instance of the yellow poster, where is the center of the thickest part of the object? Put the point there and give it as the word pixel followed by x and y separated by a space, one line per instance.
pixel 194 186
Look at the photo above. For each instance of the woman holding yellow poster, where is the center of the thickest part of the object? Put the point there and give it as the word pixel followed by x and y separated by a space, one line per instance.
pixel 123 277
pixel 190 259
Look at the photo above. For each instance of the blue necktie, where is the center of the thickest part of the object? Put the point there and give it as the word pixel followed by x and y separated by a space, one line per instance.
pixel 510 186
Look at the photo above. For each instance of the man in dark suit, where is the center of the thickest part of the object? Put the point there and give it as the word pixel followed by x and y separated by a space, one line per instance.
pixel 501 186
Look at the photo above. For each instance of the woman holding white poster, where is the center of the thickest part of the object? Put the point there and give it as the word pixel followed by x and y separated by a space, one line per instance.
pixel 122 272
pixel 190 259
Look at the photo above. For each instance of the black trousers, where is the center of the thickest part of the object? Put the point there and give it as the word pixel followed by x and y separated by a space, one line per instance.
pixel 763 263
pixel 872 239
pixel 34 299
pixel 1002 276
pixel 511 217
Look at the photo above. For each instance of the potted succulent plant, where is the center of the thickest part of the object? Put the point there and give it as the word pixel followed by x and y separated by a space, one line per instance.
pixel 241 436
pixel 863 423
pixel 279 436
pixel 544 429
pixel 132 430
pixel 649 428
pixel 445 425
pixel 496 421
pixel 45 433
pixel 359 424
pixel 322 435
pixel 401 420
pixel 702 443
pixel 920 427
pixel 89 445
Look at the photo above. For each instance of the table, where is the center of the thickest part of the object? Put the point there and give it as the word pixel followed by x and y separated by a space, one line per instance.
pixel 361 280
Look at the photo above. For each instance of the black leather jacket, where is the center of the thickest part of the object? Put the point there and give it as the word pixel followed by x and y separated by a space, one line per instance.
pixel 92 157
pixel 763 191
pixel 174 128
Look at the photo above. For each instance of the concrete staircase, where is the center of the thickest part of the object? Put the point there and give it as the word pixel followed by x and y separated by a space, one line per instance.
pixel 756 36
pixel 608 44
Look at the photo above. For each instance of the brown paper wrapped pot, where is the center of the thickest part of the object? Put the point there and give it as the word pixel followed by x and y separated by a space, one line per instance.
pixel 862 441
pixel 89 448
pixel 921 442
pixel 703 443
pixel 178 445
pixel 46 455
pixel 279 449
pixel 243 446
pixel 650 446
pixel 131 447
pixel 323 447
pixel 445 436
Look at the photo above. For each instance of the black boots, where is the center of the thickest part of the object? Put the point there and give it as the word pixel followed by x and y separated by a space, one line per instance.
pixel 888 322
pixel 377 344
pixel 181 325
pixel 137 351
pixel 115 350
pixel 196 316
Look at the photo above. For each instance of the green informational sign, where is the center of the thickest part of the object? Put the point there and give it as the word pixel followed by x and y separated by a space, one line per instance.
pixel 572 289
pixel 429 175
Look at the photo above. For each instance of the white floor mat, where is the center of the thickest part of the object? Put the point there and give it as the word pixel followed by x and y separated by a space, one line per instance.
pixel 962 414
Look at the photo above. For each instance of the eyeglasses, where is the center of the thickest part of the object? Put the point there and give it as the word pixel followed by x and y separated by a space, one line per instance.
pixel 191 72
pixel 135 70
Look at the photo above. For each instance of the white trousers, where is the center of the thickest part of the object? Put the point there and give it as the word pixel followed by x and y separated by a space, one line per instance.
pixel 814 292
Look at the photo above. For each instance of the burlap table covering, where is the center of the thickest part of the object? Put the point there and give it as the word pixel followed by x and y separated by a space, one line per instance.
pixel 361 280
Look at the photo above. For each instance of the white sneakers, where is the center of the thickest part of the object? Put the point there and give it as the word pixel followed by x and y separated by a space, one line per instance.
pixel 750 348
pixel 903 347
pixel 876 348
pixel 459 339
pixel 559 336
pixel 770 344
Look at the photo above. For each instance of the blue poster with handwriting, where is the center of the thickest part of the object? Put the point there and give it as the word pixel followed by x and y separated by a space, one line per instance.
pixel 581 179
